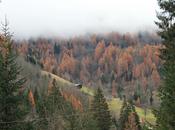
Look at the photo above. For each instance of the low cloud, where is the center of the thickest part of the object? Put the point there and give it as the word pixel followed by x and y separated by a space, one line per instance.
pixel 73 17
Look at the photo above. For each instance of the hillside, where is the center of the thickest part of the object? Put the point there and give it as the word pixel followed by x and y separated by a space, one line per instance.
pixel 87 65
pixel 84 89
pixel 131 70
pixel 115 104
pixel 122 64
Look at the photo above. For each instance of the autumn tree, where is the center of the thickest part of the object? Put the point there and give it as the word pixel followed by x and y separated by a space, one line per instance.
pixel 101 111
pixel 68 63
pixel 99 49
pixel 166 112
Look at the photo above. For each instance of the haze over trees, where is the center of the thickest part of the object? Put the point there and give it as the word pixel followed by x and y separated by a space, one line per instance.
pixel 75 83
pixel 120 63
pixel 95 61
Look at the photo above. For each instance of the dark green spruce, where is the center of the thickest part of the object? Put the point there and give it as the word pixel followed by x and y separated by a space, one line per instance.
pixel 100 111
pixel 165 114
pixel 12 113
pixel 127 109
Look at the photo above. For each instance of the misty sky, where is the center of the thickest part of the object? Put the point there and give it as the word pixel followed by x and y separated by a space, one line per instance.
pixel 74 17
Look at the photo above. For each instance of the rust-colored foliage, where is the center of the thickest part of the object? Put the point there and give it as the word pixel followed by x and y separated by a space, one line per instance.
pixel 31 99
pixel 99 49
pixel 3 46
pixel 113 88
pixel 131 124
pixel 49 63
pixel 109 53
pixel 123 62
pixel 155 77
pixel 68 63
pixel 137 71
pixel 91 60
pixel 76 103
pixel 144 83
pixel 22 48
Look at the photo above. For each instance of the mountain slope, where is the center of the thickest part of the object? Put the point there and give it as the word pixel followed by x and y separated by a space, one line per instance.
pixel 84 89
pixel 115 104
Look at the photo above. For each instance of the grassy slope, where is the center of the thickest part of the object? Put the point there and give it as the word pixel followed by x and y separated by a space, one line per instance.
pixel 114 104
pixel 63 81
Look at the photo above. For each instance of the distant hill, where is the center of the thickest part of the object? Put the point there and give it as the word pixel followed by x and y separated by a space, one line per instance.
pixel 122 64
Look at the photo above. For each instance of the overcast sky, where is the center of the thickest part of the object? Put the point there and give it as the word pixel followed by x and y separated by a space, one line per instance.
pixel 74 17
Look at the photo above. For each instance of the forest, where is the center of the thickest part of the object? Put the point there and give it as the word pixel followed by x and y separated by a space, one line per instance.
pixel 121 64
pixel 97 81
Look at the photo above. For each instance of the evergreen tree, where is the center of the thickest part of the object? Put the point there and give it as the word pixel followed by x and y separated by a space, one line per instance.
pixel 166 113
pixel 11 102
pixel 57 49
pixel 40 112
pixel 54 111
pixel 101 111
pixel 88 122
pixel 49 108
pixel 72 118
pixel 61 113
pixel 55 108
pixel 55 100
pixel 129 120
pixel 123 115
pixel 134 121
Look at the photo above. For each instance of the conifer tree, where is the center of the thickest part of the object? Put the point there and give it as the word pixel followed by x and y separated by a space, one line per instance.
pixel 61 111
pixel 129 120
pixel 55 111
pixel 134 122
pixel 11 102
pixel 40 111
pixel 49 108
pixel 101 111
pixel 123 115
pixel 88 122
pixel 166 112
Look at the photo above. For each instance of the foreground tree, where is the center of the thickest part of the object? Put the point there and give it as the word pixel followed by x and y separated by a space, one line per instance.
pixel 88 122
pixel 129 120
pixel 166 112
pixel 55 112
pixel 11 102
pixel 101 111
pixel 123 115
